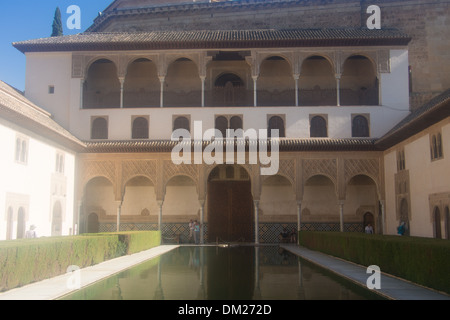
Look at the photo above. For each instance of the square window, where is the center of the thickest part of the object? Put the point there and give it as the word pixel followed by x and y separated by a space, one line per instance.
pixel 51 89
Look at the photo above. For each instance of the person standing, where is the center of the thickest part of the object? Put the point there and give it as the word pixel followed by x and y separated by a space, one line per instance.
pixel 191 231
pixel 401 228
pixel 196 232
pixel 31 234
pixel 369 229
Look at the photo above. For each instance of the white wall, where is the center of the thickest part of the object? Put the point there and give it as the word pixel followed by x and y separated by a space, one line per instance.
pixel 50 69
pixel 44 69
pixel 427 177
pixel 395 85
pixel 34 185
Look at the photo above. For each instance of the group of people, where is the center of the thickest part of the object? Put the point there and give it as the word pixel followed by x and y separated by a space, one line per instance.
pixel 288 237
pixel 401 229
pixel 194 231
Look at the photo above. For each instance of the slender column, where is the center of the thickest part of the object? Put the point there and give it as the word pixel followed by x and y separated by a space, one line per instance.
pixel 382 202
pixel 255 93
pixel 161 99
pixel 338 89
pixel 122 82
pixel 341 214
pixel 380 95
pixel 299 215
pixel 82 93
pixel 160 204
pixel 80 213
pixel 202 221
pixel 203 78
pixel 119 213
pixel 256 205
pixel 296 78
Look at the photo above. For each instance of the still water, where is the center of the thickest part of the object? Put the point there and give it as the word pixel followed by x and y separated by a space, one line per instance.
pixel 217 273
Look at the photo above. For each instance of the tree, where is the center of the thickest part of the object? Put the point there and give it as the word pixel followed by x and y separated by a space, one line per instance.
pixel 57 24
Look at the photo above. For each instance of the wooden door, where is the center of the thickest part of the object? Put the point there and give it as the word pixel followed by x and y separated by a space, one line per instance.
pixel 230 211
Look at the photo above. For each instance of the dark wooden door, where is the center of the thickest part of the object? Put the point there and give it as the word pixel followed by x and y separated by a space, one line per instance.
pixel 230 211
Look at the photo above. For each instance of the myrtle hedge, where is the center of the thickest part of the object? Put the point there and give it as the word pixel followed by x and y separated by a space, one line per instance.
pixel 30 260
pixel 424 261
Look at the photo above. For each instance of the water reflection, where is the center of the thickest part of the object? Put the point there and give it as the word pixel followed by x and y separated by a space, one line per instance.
pixel 216 273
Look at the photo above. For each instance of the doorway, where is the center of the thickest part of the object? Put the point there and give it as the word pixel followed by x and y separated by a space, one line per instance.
pixel 230 205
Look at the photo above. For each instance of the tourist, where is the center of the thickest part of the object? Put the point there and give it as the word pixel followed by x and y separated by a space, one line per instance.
pixel 294 236
pixel 401 228
pixel 196 232
pixel 285 235
pixel 369 229
pixel 191 231
pixel 31 234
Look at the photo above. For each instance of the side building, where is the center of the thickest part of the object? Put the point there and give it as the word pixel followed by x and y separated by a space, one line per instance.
pixel 37 170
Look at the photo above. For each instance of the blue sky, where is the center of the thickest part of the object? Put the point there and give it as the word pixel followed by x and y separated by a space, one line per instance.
pixel 27 19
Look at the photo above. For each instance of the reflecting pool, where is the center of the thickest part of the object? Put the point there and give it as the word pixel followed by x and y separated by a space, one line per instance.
pixel 225 273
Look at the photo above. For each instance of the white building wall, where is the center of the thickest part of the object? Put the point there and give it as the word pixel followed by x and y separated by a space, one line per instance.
pixel 427 178
pixel 395 85
pixel 45 69
pixel 34 185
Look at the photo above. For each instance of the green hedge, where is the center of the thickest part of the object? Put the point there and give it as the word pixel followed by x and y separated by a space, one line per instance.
pixel 135 241
pixel 420 260
pixel 26 261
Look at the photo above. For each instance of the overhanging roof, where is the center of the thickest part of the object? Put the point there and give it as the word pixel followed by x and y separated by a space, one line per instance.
pixel 216 39
pixel 432 112
pixel 284 145
pixel 14 107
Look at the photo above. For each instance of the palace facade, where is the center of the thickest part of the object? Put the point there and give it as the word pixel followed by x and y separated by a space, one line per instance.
pixel 363 137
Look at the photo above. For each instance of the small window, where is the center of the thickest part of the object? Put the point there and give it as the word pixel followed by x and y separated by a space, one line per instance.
pixel 99 129
pixel 21 152
pixel 140 128
pixel 401 163
pixel 51 89
pixel 277 123
pixel 232 122
pixel 59 165
pixel 436 147
pixel 236 123
pixel 182 122
pixel 360 127
pixel 318 127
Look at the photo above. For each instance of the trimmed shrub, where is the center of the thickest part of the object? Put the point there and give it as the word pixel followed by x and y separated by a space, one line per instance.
pixel 30 260
pixel 423 261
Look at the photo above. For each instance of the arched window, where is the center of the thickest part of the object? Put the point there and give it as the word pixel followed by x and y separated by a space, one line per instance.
pixel 140 128
pixel 9 224
pixel 401 162
pixel 182 123
pixel 439 145
pixel 18 148
pixel 435 149
pixel 222 125
pixel 318 127
pixel 236 123
pixel 99 129
pixel 141 87
pixel 57 220
pixel 24 152
pixel 229 90
pixel 21 223
pixel 102 86
pixel 277 123
pixel 360 127
pixel 447 223
pixel 437 223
